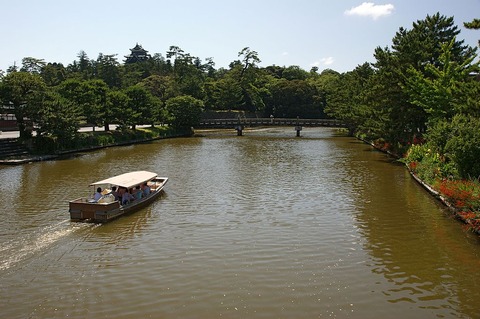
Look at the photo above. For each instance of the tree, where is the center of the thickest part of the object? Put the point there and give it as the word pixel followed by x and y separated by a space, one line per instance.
pixel 246 74
pixel 345 97
pixel 185 111
pixel 223 94
pixel 91 96
pixel 146 106
pixel 474 24
pixel 416 48
pixel 294 72
pixel 439 90
pixel 295 98
pixel 53 74
pixel 162 87
pixel 82 69
pixel 23 92
pixel 122 113
pixel 107 69
pixel 457 140
pixel 188 72
pixel 59 118
pixel 32 65
pixel 249 60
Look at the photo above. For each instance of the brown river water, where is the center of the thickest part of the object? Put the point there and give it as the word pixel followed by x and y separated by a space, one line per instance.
pixel 267 225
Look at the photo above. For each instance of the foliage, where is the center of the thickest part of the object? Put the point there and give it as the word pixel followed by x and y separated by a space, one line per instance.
pixel 23 91
pixel 90 95
pixel 427 164
pixel 457 139
pixel 474 24
pixel 292 98
pixel 463 145
pixel 145 108
pixel 345 98
pixel 438 90
pixel 223 94
pixel 49 144
pixel 106 69
pixel 58 117
pixel 32 65
pixel 121 110
pixel 185 111
pixel 161 87
pixel 415 53
pixel 464 194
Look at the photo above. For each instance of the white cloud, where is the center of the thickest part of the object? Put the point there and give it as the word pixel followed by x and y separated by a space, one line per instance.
pixel 324 61
pixel 370 9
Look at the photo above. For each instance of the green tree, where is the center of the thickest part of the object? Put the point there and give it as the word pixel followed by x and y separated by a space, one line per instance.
pixel 83 69
pixel 294 72
pixel 247 73
pixel 91 96
pixel 185 111
pixel 223 94
pixel 53 74
pixel 32 65
pixel 59 118
pixel 23 92
pixel 440 90
pixel 122 113
pixel 188 72
pixel 162 87
pixel 107 69
pixel 295 98
pixel 345 99
pixel 474 24
pixel 146 106
pixel 457 140
pixel 416 48
pixel 326 84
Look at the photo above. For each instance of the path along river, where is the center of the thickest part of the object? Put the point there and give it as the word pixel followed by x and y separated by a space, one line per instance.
pixel 266 225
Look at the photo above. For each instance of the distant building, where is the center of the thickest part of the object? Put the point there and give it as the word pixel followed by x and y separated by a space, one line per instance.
pixel 138 54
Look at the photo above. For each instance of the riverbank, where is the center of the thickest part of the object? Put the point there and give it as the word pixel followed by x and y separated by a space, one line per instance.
pixel 46 149
pixel 456 207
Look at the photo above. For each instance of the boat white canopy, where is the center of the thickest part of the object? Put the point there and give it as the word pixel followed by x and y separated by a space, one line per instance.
pixel 128 180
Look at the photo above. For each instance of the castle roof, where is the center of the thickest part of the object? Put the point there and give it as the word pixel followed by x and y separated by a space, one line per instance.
pixel 137 54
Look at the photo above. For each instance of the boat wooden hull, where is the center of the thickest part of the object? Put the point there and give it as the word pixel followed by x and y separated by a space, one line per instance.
pixel 84 211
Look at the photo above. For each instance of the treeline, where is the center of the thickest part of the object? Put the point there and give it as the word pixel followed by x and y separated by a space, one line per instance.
pixel 422 90
pixel 175 89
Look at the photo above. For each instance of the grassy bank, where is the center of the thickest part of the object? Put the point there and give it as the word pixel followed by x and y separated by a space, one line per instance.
pixel 461 195
pixel 47 145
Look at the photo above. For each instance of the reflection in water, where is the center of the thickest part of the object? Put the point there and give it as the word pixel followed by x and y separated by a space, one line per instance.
pixel 264 225
pixel 411 244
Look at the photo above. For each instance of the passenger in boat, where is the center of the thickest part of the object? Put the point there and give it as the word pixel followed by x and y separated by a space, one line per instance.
pixel 98 194
pixel 115 193
pixel 126 196
pixel 137 193
pixel 145 189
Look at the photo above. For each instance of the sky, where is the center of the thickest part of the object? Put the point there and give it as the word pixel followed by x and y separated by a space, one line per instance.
pixel 328 34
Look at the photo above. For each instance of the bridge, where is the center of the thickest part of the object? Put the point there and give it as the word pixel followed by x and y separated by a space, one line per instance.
pixel 251 122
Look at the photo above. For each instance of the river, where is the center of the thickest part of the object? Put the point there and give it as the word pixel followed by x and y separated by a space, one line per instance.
pixel 266 225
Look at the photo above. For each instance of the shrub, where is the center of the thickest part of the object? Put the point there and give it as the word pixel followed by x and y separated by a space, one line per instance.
pixel 458 141
pixel 464 194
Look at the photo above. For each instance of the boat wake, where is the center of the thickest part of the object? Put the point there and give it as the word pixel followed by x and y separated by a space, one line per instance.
pixel 16 251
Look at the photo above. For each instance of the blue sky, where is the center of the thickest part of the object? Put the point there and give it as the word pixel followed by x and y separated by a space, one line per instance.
pixel 335 34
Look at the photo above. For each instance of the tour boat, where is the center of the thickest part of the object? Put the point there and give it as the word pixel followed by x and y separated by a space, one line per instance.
pixel 109 206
